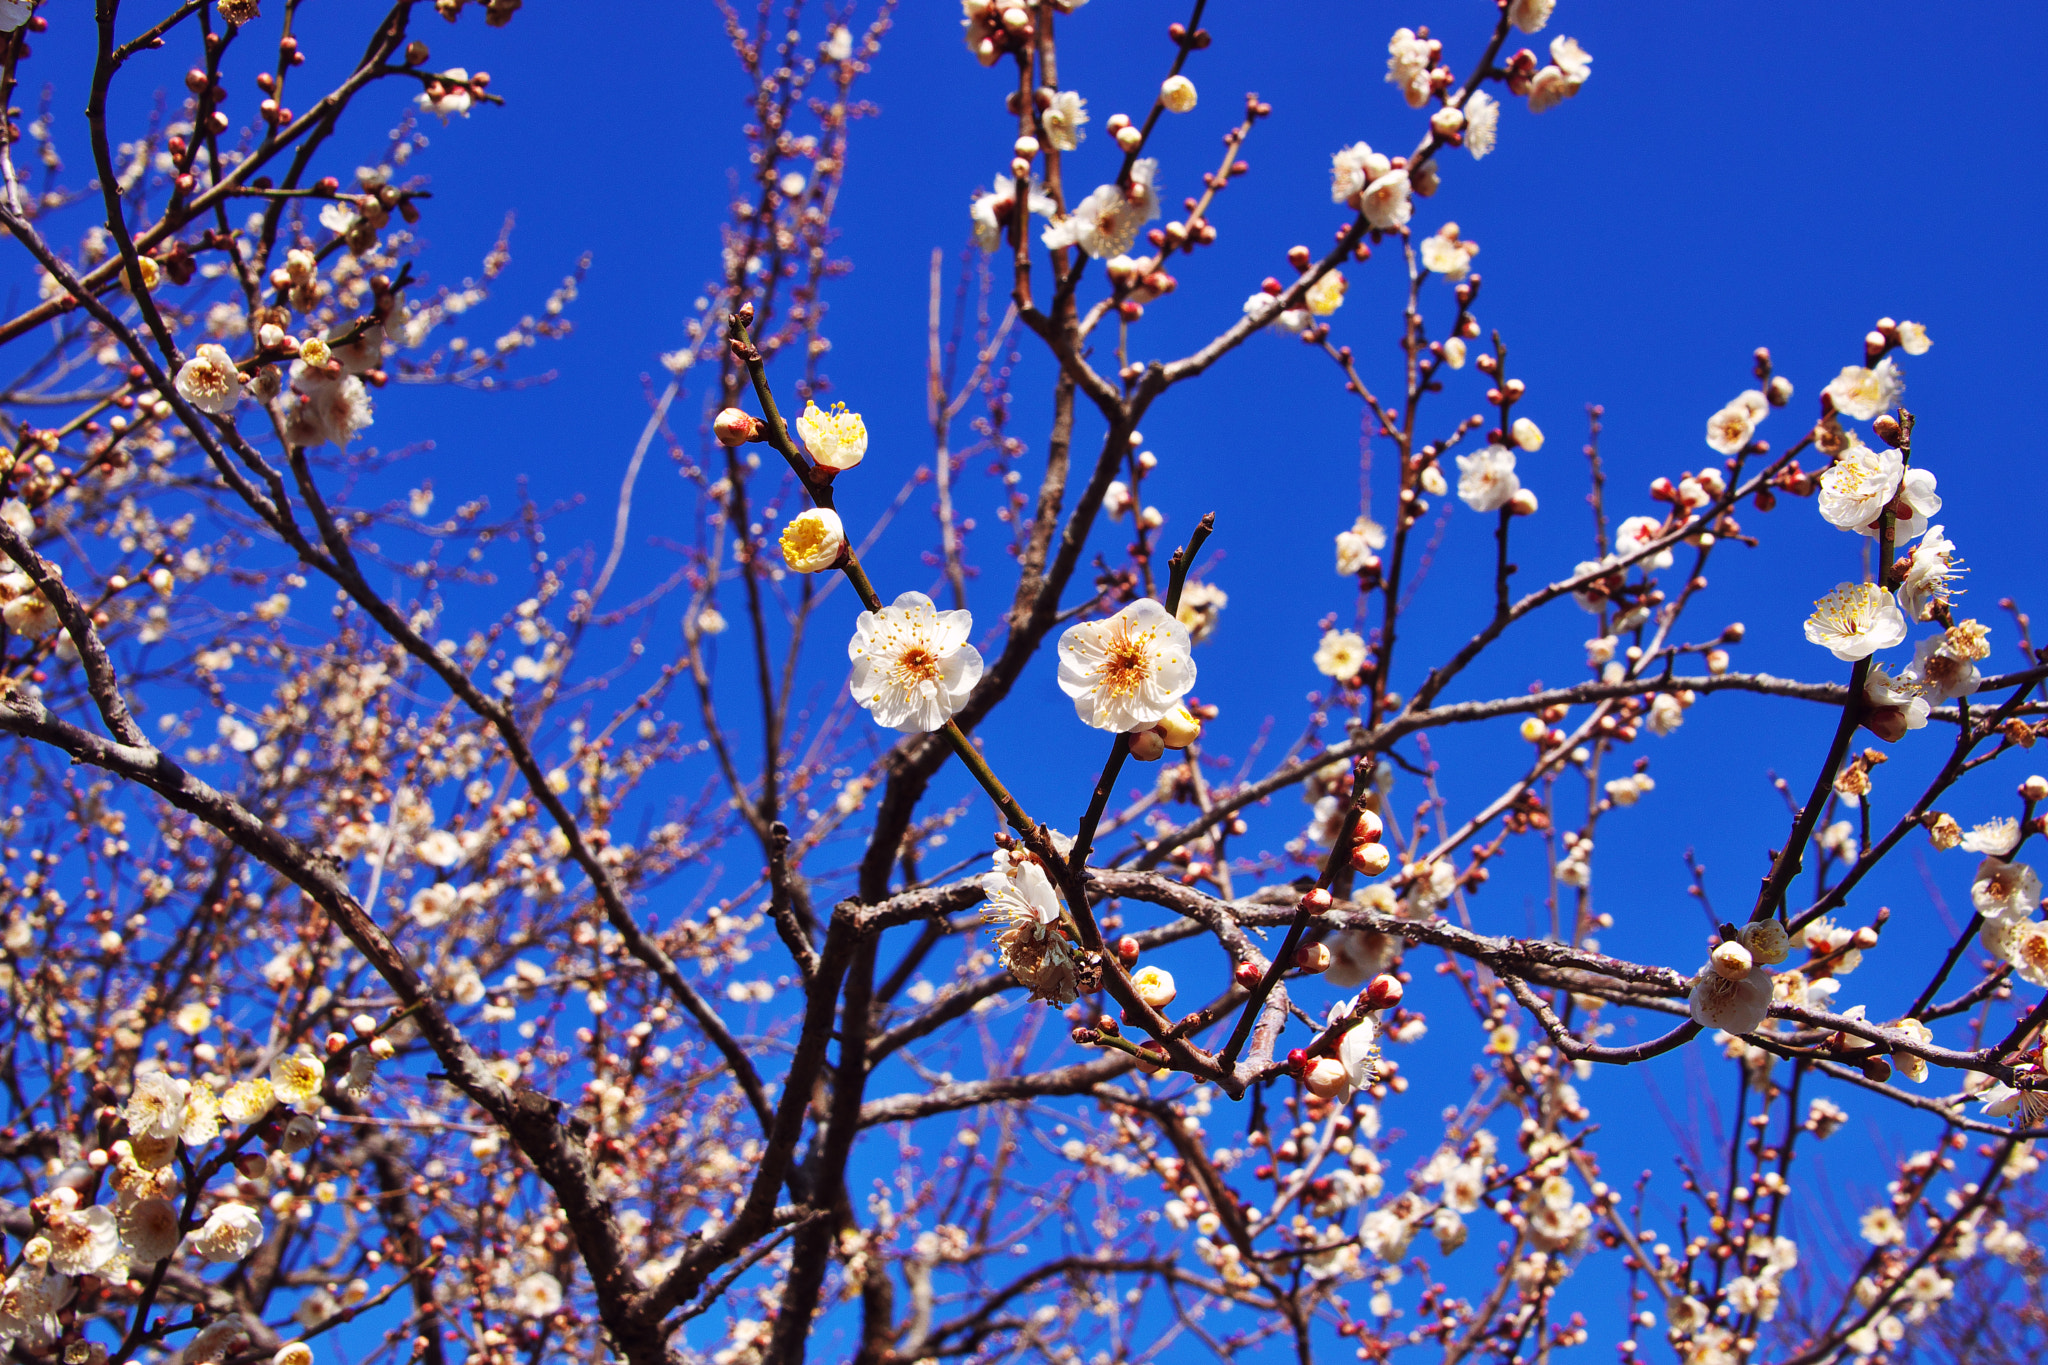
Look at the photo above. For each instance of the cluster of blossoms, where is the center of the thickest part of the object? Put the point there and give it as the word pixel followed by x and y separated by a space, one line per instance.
pixel 141 1224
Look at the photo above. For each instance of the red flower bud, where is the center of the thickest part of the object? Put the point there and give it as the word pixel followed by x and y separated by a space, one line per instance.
pixel 1384 993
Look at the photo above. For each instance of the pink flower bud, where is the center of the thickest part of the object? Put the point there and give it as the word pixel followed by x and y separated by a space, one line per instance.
pixel 1317 898
pixel 1127 950
pixel 1384 993
pixel 1314 957
pixel 735 428
pixel 1248 975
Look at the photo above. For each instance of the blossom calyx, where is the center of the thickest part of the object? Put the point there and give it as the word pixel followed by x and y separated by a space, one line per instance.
pixel 1147 746
pixel 733 427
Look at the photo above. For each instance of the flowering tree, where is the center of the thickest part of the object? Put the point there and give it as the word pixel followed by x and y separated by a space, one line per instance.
pixel 365 988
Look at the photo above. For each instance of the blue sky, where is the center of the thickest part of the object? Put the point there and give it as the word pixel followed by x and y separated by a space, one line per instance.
pixel 1734 175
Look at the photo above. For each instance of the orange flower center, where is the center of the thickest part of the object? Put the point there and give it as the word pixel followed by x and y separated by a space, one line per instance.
pixel 1129 663
pixel 917 665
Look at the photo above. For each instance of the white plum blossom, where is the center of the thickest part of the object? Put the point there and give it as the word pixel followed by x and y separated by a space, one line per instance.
pixel 231 1232
pixel 1945 666
pixel 992 210
pixel 1730 429
pixel 1386 203
pixel 81 1240
pixel 1913 338
pixel 1736 1007
pixel 326 407
pixel 837 439
pixel 1996 838
pixel 1127 672
pixel 1863 393
pixel 912 665
pixel 1357 546
pixel 1569 68
pixel 1530 15
pixel 149 1229
pixel 1408 61
pixel 539 1295
pixel 1486 478
pixel 1023 915
pixel 1930 566
pixel 208 380
pixel 1352 169
pixel 1448 254
pixel 1637 533
pixel 2005 890
pixel 1859 485
pixel 1341 655
pixel 1896 705
pixel 1482 122
pixel 1062 120
pixel 1856 620
pixel 1916 494
pixel 1108 221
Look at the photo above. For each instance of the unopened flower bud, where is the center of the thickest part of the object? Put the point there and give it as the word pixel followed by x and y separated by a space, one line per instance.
pixel 1317 898
pixel 1523 503
pixel 1127 950
pixel 1732 962
pixel 735 428
pixel 1445 122
pixel 1129 138
pixel 1147 746
pixel 1314 957
pixel 1154 986
pixel 1371 859
pixel 1384 993
pixel 1526 434
pixel 2035 788
pixel 1027 146
pixel 1155 1048
pixel 1326 1077
pixel 1177 93
pixel 1877 1069
pixel 1888 430
pixel 1179 728
pixel 1533 729
pixel 1248 975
